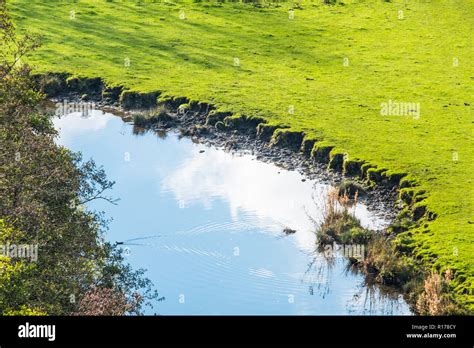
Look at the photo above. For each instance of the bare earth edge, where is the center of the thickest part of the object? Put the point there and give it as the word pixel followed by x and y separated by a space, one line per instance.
pixel 272 143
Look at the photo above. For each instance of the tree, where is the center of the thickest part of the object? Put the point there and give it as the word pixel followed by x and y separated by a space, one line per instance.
pixel 41 187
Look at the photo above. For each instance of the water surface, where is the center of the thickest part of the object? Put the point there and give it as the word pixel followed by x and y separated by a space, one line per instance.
pixel 208 226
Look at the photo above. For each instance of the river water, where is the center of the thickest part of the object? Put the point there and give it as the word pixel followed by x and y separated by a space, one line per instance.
pixel 208 226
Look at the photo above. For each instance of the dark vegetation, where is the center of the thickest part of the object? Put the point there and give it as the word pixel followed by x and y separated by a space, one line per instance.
pixel 43 188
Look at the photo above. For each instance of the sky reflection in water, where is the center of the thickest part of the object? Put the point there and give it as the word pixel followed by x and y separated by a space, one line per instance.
pixel 208 226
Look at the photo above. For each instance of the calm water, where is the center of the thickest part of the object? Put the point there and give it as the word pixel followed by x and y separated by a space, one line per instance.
pixel 208 226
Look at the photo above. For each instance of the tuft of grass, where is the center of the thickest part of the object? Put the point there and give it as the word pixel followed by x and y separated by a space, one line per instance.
pixel 436 298
pixel 52 85
pixel 351 188
pixel 386 264
pixel 152 116
pixel 339 224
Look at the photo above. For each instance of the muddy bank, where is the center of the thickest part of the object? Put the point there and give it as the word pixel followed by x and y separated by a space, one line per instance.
pixel 234 132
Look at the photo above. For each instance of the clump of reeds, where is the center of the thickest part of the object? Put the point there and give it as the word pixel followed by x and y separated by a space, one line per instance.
pixel 435 298
pixel 383 262
pixel 339 224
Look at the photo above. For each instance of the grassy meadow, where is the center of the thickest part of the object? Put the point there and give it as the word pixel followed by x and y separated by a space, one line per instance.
pixel 321 69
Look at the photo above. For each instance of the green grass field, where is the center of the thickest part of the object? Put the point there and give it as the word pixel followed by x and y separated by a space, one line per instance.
pixel 334 64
